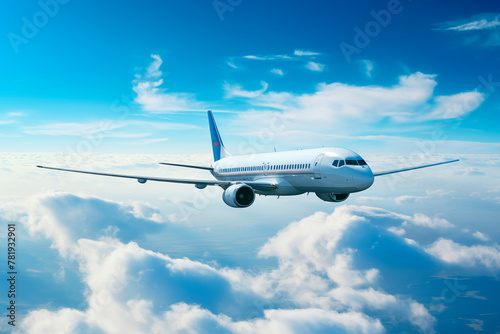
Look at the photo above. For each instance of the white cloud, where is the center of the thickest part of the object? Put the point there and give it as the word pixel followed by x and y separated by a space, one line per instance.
pixel 73 129
pixel 358 108
pixel 396 230
pixel 11 117
pixel 481 29
pixel 153 70
pixel 104 129
pixel 299 52
pixel 368 67
pixel 439 192
pixel 65 320
pixel 420 219
pixel 455 106
pixel 315 242
pixel 481 236
pixel 231 91
pixel 314 66
pixel 44 214
pixel 231 64
pixel 267 57
pixel 277 71
pixel 155 99
pixel 316 286
pixel 405 199
pixel 311 321
pixel 411 242
pixel 478 24
pixel 469 256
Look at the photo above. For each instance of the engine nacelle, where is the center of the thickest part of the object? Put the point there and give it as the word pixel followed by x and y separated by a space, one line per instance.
pixel 331 197
pixel 238 196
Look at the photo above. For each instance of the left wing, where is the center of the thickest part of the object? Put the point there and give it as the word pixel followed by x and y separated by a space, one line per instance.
pixel 143 179
pixel 411 168
pixel 188 166
pixel 259 185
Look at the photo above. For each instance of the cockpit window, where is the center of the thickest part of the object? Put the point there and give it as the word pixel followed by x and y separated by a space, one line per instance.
pixel 341 163
pixel 335 163
pixel 361 162
pixel 351 162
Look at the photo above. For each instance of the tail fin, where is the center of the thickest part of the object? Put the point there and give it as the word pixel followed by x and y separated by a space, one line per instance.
pixel 220 151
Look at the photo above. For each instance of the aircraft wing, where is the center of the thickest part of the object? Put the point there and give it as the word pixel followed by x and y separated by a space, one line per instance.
pixel 143 179
pixel 411 168
pixel 188 166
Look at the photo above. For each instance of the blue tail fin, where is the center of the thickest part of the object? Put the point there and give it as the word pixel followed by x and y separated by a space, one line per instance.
pixel 217 145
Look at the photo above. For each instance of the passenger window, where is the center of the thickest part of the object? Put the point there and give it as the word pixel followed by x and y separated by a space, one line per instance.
pixel 341 163
pixel 335 163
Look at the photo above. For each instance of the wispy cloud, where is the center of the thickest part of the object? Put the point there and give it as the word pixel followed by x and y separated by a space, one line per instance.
pixel 478 23
pixel 268 57
pixel 481 29
pixel 367 66
pixel 277 71
pixel 481 236
pixel 155 99
pixel 231 64
pixel 105 128
pixel 11 117
pixel 314 66
pixel 237 91
pixel 299 52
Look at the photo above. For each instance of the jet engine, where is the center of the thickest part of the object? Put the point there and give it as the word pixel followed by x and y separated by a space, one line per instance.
pixel 332 197
pixel 238 196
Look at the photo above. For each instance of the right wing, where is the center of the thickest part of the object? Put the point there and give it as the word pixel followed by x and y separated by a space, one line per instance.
pixel 143 179
pixel 411 168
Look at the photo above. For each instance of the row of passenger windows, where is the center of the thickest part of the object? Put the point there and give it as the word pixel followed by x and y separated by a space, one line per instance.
pixel 348 162
pixel 259 168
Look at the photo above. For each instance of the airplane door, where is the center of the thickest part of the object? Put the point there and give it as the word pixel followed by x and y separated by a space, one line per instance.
pixel 265 167
pixel 317 166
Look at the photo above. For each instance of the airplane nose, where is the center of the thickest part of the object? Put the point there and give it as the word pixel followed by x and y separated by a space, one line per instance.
pixel 363 179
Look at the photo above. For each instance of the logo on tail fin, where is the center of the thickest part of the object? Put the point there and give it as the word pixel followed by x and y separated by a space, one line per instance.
pixel 219 150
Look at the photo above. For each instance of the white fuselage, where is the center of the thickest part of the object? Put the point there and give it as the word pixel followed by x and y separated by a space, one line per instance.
pixel 300 171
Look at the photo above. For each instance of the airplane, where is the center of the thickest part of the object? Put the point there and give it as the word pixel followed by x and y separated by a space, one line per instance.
pixel 332 173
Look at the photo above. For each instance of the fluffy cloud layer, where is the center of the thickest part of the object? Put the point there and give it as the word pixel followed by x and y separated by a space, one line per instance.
pixel 320 284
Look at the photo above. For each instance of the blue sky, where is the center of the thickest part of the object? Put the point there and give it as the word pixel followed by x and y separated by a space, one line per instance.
pixel 121 85
pixel 87 57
